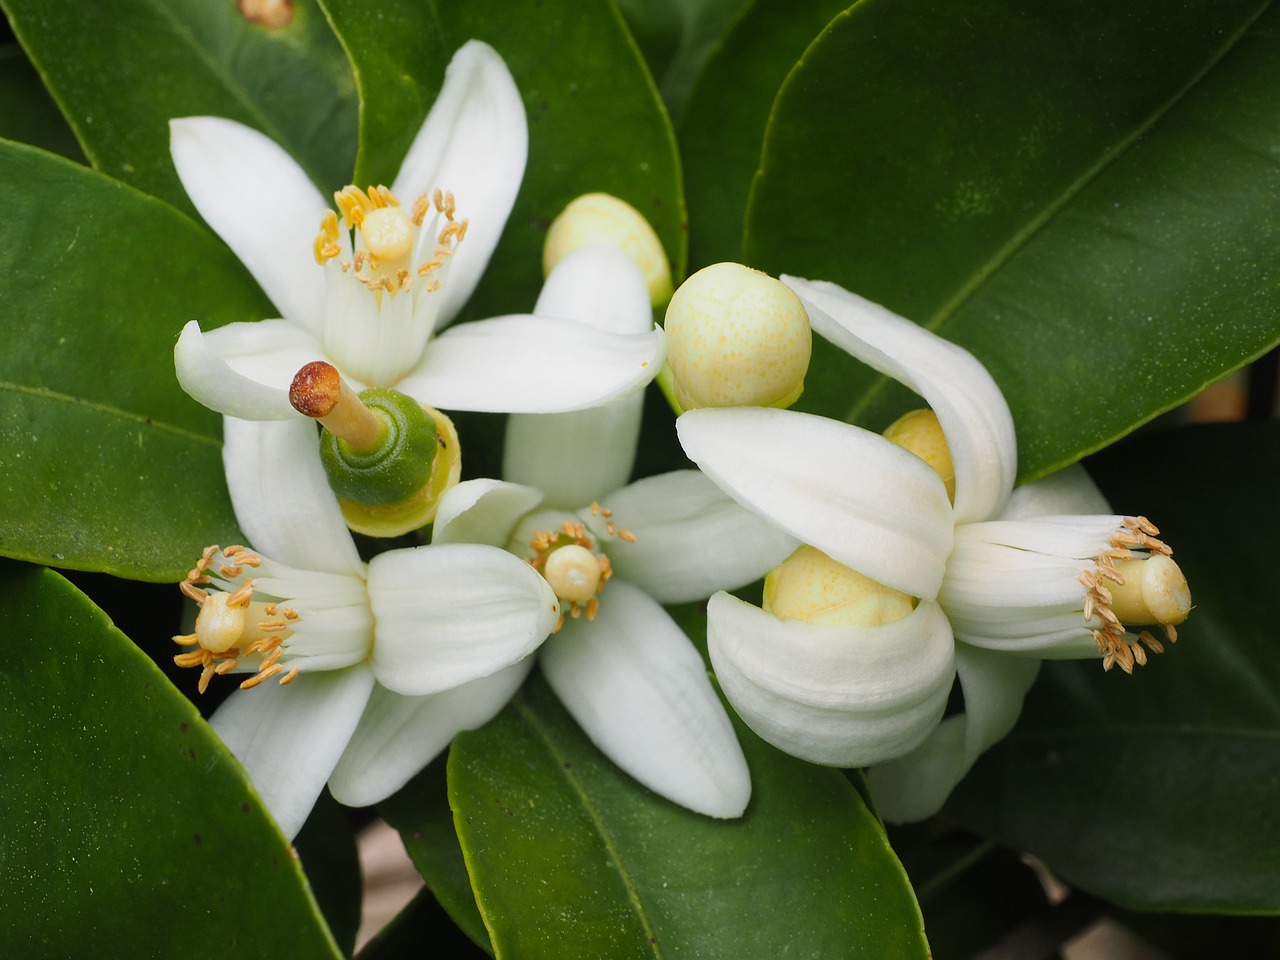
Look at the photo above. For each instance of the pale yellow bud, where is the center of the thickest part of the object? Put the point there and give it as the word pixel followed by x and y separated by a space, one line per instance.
pixel 811 587
pixel 601 218
pixel 737 337
pixel 920 432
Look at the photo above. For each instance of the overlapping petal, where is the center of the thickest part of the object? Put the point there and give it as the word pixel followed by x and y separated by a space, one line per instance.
pixel 244 369
pixel 482 511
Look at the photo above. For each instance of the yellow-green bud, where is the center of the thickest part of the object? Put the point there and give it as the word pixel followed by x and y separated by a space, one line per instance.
pixel 920 432
pixel 811 587
pixel 736 337
pixel 601 218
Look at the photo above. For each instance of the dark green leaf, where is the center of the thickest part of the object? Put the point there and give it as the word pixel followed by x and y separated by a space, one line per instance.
pixel 121 70
pixel 578 72
pixel 1158 791
pixel 27 112
pixel 1078 194
pixel 569 857
pixel 420 923
pixel 109 465
pixel 129 829
pixel 327 846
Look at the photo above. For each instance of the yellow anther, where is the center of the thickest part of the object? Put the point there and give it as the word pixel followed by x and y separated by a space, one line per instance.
pixel 326 245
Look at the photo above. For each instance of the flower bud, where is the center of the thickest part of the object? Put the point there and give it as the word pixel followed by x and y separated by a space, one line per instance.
pixel 920 432
pixel 811 587
pixel 736 337
pixel 601 218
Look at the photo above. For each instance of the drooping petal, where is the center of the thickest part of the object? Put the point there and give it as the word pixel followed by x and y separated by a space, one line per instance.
pixel 482 511
pixel 580 456
pixel 855 496
pixel 691 539
pixel 473 143
pixel 448 614
pixel 244 369
pixel 915 786
pixel 1070 490
pixel 969 404
pixel 258 200
pixel 290 738
pixel 528 364
pixel 837 695
pixel 399 735
pixel 639 690
pixel 282 499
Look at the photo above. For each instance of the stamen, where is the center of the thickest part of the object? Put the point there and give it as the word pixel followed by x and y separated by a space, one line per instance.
pixel 326 245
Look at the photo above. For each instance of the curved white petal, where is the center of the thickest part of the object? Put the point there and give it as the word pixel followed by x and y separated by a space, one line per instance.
pixel 916 786
pixel 399 735
pixel 639 689
pixel 842 696
pixel 1070 490
pixel 482 511
pixel 258 200
pixel 529 364
pixel 474 143
pixel 447 614
pixel 281 496
pixel 691 539
pixel 855 496
pixel 600 286
pixel 290 738
pixel 244 369
pixel 969 404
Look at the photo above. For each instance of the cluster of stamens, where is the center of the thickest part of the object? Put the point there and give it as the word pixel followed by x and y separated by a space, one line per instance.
pixel 218 642
pixel 382 265
pixel 568 560
pixel 1113 643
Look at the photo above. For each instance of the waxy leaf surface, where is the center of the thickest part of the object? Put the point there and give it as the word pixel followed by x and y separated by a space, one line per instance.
pixel 1083 196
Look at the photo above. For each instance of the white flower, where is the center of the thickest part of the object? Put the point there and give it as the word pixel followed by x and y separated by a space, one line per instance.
pixel 621 666
pixel 1035 578
pixel 371 308
pixel 418 636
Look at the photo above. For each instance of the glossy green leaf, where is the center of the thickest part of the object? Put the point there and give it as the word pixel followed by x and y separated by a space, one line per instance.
pixel 327 846
pixel 571 858
pixel 109 465
pixel 128 828
pixel 1158 791
pixel 723 124
pixel 1078 194
pixel 579 73
pixel 27 112
pixel 121 70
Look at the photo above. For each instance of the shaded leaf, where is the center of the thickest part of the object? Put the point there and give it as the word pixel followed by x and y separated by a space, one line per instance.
pixel 1078 195
pixel 1155 791
pixel 621 872
pixel 327 847
pixel 421 922
pixel 27 112
pixel 130 822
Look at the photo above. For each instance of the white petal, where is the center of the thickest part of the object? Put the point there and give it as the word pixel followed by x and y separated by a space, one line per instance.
pixel 842 696
pixel 258 200
pixel 1070 490
pixel 453 613
pixel 398 735
pixel 474 143
pixel 282 499
pixel 855 496
pixel 916 786
pixel 244 369
pixel 290 738
pixel 969 404
pixel 637 686
pixel 528 364
pixel 600 286
pixel 691 539
pixel 482 511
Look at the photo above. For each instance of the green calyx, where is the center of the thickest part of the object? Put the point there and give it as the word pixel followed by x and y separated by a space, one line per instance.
pixel 397 466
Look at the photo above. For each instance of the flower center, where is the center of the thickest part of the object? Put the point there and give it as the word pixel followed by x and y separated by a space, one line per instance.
pixel 1138 589
pixel 233 625
pixel 571 560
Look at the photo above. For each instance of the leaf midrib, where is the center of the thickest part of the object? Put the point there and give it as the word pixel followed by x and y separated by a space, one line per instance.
pixel 45 393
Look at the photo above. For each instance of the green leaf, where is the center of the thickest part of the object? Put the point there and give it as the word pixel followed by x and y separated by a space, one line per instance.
pixel 1077 194
pixel 569 857
pixel 421 922
pixel 121 70
pixel 1158 791
pixel 723 124
pixel 127 825
pixel 327 846
pixel 552 47
pixel 27 112
pixel 109 465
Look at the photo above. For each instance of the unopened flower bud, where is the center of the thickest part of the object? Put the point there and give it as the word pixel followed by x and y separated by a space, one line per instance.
pixel 601 218
pixel 736 337
pixel 811 587
pixel 920 432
